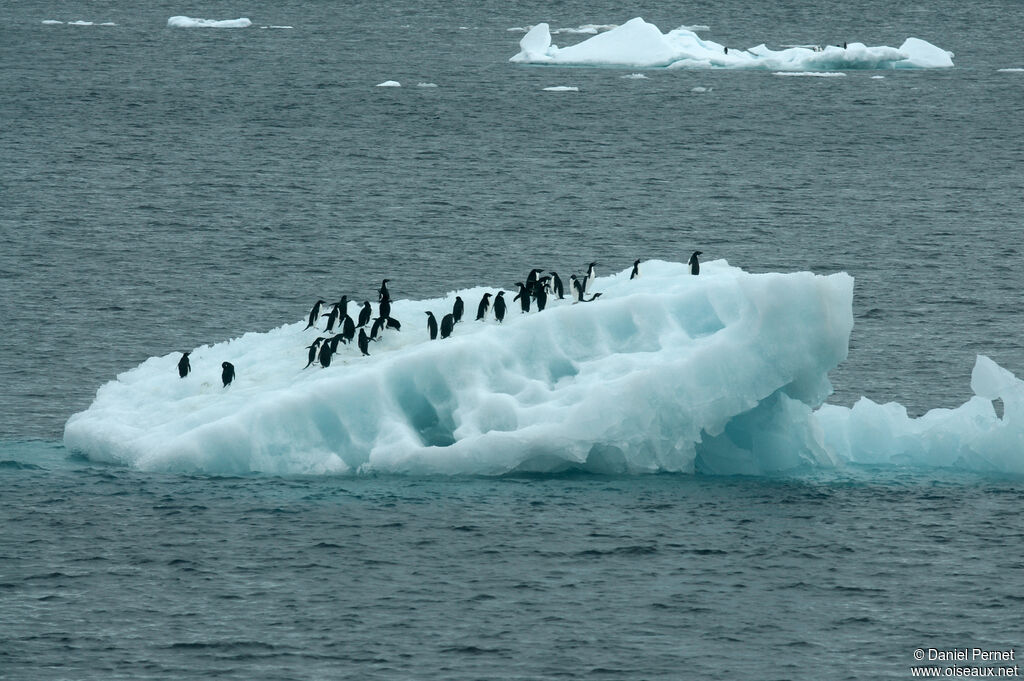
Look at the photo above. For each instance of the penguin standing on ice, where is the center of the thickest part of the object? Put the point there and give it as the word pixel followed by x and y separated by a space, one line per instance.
pixel 364 313
pixel 636 270
pixel 378 324
pixel 325 355
pixel 694 263
pixel 431 326
pixel 312 351
pixel 183 365
pixel 499 306
pixel 523 297
pixel 591 276
pixel 335 341
pixel 556 285
pixel 348 328
pixel 332 317
pixel 364 342
pixel 458 309
pixel 531 280
pixel 382 292
pixel 540 295
pixel 314 314
pixel 447 325
pixel 227 373
pixel 577 289
pixel 385 308
pixel 483 307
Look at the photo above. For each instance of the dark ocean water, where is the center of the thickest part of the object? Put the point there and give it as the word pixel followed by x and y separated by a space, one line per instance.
pixel 161 189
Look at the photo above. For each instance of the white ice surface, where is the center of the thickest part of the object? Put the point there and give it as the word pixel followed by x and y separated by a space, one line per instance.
pixel 189 22
pixel 637 43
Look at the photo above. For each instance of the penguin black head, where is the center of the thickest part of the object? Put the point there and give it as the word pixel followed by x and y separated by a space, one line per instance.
pixel 696 253
pixel 486 295
pixel 636 262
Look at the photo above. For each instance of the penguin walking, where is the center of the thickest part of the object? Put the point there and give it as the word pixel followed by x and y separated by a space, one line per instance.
pixel 335 341
pixel 364 342
pixel 458 309
pixel 447 325
pixel 636 270
pixel 556 285
pixel 332 317
pixel 694 263
pixel 365 312
pixel 325 355
pixel 431 326
pixel 523 297
pixel 483 307
pixel 183 365
pixel 348 329
pixel 312 352
pixel 227 373
pixel 541 296
pixel 393 323
pixel 378 324
pixel 314 314
pixel 499 306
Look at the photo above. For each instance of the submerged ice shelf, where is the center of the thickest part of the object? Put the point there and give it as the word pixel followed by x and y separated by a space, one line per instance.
pixel 640 44
pixel 716 373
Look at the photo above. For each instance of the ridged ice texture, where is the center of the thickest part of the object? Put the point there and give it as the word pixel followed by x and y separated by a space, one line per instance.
pixel 668 372
pixel 637 43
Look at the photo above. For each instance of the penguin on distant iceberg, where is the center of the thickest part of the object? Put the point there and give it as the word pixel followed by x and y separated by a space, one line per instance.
pixel 183 365
pixel 314 314
pixel 499 306
pixel 227 373
pixel 483 307
pixel 458 309
pixel 383 293
pixel 432 325
pixel 694 263
pixel 636 270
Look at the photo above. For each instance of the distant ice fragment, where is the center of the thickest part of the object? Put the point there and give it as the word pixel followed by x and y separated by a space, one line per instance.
pixel 817 74
pixel 421 84
pixel 51 22
pixel 189 22
pixel 637 43
pixel 635 76
pixel 562 88
pixel 700 88
pixel 80 23
pixel 1010 70
pixel 389 83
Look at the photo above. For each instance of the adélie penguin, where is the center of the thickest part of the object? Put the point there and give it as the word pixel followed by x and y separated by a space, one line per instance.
pixel 523 297
pixel 447 324
pixel 312 351
pixel 576 289
pixel 431 326
pixel 348 328
pixel 364 314
pixel 325 355
pixel 458 309
pixel 556 285
pixel 314 314
pixel 364 342
pixel 183 365
pixel 227 373
pixel 636 270
pixel 499 306
pixel 483 307
pixel 588 281
pixel 694 263
pixel 383 293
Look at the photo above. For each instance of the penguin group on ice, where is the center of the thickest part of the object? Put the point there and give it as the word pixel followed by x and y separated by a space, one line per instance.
pixel 341 328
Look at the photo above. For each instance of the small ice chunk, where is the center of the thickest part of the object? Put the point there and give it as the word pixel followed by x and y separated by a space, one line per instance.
pixel 389 83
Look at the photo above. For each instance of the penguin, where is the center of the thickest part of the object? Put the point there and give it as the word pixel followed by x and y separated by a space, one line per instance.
pixel 556 285
pixel 591 276
pixel 332 317
pixel 364 342
pixel 541 296
pixel 447 324
pixel 458 309
pixel 382 292
pixel 364 313
pixel 591 298
pixel 348 328
pixel 312 351
pixel 228 373
pixel 183 365
pixel 343 306
pixel 325 355
pixel 499 306
pixel 483 307
pixel 544 283
pixel 523 297
pixel 378 324
pixel 694 263
pixel 636 270
pixel 577 289
pixel 531 280
pixel 314 314
pixel 393 323
pixel 431 326
pixel 335 341
pixel 385 308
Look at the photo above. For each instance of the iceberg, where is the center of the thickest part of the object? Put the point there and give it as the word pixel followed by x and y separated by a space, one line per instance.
pixel 189 22
pixel 716 373
pixel 637 43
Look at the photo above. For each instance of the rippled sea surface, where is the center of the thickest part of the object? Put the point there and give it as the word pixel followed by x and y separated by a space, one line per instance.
pixel 107 573
pixel 165 188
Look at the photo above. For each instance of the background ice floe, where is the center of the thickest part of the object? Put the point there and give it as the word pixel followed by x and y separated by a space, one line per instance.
pixel 189 22
pixel 640 44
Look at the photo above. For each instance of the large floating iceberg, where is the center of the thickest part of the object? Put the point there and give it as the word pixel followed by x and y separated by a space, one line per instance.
pixel 189 22
pixel 640 44
pixel 718 373
pixel 667 372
